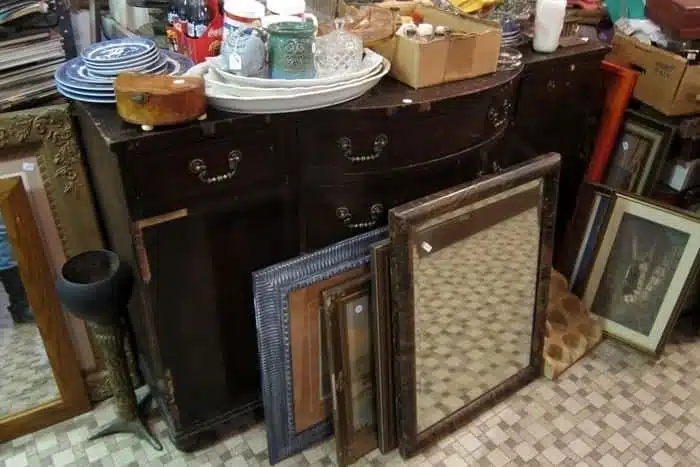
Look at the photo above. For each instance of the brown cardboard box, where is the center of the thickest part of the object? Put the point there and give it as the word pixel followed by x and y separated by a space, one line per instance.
pixel 666 81
pixel 471 50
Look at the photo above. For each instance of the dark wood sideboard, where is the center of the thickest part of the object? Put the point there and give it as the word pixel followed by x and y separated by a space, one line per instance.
pixel 196 208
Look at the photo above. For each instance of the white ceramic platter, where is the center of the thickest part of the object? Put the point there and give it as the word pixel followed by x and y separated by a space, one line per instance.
pixel 371 61
pixel 220 86
pixel 297 102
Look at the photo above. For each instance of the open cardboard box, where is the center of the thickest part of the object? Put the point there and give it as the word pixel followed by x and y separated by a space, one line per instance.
pixel 471 50
pixel 666 81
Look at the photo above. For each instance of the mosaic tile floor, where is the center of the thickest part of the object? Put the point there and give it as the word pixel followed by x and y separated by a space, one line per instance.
pixel 613 408
pixel 474 314
pixel 26 378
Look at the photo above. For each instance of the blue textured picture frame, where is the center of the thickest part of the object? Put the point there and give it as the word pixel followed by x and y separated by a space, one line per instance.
pixel 271 289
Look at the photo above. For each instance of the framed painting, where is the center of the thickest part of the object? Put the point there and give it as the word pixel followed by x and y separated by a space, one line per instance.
pixel 641 150
pixel 383 351
pixel 470 273
pixel 288 315
pixel 619 85
pixel 646 262
pixel 348 320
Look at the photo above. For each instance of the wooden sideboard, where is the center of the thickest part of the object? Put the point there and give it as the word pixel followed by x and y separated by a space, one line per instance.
pixel 196 208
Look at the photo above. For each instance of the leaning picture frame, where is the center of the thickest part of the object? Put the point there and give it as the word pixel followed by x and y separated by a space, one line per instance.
pixel 43 144
pixel 348 320
pixel 461 223
pixel 383 350
pixel 275 289
pixel 646 261
pixel 642 146
pixel 592 207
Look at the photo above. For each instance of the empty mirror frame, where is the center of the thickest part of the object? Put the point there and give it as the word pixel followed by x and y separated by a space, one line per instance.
pixel 39 373
pixel 470 276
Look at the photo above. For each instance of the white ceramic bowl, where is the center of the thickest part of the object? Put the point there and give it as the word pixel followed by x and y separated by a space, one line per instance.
pixel 371 61
pixel 297 102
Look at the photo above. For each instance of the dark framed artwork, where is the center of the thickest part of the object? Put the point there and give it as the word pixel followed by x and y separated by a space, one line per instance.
pixel 470 272
pixel 593 206
pixel 287 299
pixel 383 351
pixel 641 150
pixel 646 261
pixel 348 320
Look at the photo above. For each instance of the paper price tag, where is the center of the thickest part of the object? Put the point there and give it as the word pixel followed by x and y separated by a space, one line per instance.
pixel 28 166
pixel 235 62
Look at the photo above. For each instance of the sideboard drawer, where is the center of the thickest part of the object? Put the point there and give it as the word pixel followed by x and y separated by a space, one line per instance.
pixel 331 213
pixel 185 177
pixel 381 140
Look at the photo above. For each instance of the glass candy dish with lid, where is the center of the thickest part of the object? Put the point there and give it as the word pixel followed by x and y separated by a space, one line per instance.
pixel 338 53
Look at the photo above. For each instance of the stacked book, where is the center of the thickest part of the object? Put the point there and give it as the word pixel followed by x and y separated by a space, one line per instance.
pixel 28 56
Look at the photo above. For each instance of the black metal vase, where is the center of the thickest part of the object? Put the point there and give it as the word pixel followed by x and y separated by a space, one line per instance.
pixel 96 286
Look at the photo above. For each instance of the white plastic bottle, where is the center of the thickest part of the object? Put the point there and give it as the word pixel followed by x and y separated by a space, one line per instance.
pixel 549 22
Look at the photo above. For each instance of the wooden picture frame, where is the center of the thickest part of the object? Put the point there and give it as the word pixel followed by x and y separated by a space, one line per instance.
pixel 619 84
pixel 642 147
pixel 632 267
pixel 528 186
pixel 39 283
pixel 46 134
pixel 383 350
pixel 272 289
pixel 349 327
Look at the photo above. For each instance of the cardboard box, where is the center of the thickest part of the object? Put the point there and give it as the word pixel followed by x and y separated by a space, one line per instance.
pixel 471 50
pixel 666 81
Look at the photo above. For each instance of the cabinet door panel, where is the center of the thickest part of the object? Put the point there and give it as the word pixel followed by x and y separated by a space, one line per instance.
pixel 201 296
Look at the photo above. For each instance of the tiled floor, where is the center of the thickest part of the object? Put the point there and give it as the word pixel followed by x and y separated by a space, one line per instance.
pixel 614 408
pixel 26 379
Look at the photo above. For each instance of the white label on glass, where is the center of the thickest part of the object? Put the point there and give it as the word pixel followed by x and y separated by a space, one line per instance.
pixel 28 166
pixel 358 309
pixel 234 62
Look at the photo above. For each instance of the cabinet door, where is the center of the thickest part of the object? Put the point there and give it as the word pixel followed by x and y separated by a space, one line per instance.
pixel 199 279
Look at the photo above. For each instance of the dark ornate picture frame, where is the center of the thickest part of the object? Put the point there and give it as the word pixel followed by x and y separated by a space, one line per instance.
pixel 271 288
pixel 383 349
pixel 351 441
pixel 402 221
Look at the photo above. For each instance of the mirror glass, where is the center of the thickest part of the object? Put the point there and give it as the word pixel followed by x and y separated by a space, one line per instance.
pixel 26 376
pixel 475 279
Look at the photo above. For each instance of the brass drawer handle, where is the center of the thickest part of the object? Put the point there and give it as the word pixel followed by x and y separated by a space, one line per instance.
pixel 499 118
pixel 199 168
pixel 343 213
pixel 380 142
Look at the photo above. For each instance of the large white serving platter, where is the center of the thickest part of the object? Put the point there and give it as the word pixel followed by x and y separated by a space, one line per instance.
pixel 219 85
pixel 296 102
pixel 371 61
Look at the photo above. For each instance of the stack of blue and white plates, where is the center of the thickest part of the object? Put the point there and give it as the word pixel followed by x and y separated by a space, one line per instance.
pixel 511 34
pixel 91 76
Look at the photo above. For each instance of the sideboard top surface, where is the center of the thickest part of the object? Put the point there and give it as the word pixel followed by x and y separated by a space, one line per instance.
pixel 388 94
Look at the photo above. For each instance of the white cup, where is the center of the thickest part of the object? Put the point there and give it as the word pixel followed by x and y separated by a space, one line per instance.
pixel 289 8
pixel 241 14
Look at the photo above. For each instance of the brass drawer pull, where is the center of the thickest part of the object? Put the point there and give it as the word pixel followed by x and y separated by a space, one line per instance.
pixel 380 142
pixel 199 168
pixel 499 118
pixel 343 213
